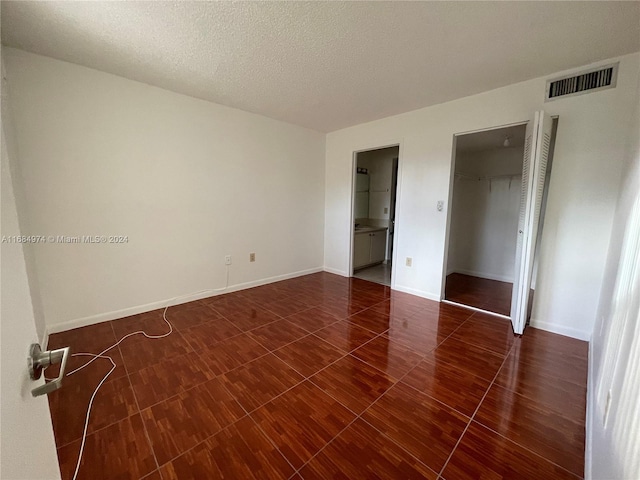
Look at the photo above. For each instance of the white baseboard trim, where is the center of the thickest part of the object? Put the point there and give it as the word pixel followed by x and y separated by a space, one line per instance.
pixel 488 276
pixel 417 293
pixel 125 312
pixel 335 271
pixel 588 447
pixel 476 309
pixel 561 330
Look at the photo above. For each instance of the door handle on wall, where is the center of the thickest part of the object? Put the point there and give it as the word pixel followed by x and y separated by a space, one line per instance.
pixel 39 360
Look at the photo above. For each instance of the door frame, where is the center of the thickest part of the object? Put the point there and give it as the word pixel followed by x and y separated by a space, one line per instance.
pixel 452 175
pixel 354 169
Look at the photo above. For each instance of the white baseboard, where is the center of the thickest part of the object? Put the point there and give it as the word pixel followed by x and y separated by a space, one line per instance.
pixel 488 276
pixel 561 330
pixel 476 309
pixel 588 447
pixel 336 271
pixel 125 312
pixel 417 293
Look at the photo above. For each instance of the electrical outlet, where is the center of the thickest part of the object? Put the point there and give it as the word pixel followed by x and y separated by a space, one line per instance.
pixel 386 210
pixel 252 257
pixel 227 259
pixel 409 261
pixel 440 205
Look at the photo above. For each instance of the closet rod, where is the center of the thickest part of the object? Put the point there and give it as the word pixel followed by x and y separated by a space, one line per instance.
pixel 487 177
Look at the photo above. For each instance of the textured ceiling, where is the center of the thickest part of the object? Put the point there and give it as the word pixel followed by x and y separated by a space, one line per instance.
pixel 325 65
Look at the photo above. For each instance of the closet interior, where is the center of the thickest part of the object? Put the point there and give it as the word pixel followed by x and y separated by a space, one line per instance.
pixel 484 218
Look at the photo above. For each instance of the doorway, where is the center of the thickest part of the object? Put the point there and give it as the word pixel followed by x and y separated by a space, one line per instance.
pixel 498 199
pixel 484 218
pixel 374 214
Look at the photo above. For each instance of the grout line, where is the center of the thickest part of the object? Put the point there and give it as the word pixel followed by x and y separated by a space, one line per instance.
pixel 309 378
pixel 528 449
pixel 476 410
pixel 144 426
pixel 359 416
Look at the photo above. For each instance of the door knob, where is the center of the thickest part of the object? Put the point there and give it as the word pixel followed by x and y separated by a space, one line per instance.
pixel 39 360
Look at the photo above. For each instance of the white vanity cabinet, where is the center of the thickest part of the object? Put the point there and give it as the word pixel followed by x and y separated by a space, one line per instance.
pixel 369 246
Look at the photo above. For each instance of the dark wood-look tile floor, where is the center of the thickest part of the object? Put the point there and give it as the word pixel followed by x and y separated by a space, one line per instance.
pixel 322 377
pixel 490 295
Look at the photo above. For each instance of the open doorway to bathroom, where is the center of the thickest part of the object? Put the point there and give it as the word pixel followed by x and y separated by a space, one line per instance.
pixel 374 201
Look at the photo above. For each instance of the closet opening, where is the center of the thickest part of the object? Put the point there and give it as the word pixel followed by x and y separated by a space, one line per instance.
pixel 484 218
pixel 488 223
pixel 374 209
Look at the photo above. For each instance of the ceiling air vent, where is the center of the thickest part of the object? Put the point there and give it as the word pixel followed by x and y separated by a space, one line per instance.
pixel 588 81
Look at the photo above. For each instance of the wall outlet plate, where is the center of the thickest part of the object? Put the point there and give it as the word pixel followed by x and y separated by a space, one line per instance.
pixel 252 257
pixel 227 259
pixel 409 261
pixel 440 205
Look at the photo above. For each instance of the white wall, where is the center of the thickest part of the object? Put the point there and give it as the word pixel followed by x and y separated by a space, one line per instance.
pixel 614 451
pixel 582 191
pixel 186 180
pixel 27 446
pixel 484 214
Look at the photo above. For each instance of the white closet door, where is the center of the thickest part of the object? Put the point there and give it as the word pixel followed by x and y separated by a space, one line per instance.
pixel 534 169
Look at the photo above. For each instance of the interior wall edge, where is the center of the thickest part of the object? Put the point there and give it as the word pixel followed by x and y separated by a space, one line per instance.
pixel 125 312
pixel 336 271
pixel 419 293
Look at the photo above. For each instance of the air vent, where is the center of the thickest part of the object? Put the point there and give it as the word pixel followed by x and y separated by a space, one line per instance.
pixel 589 81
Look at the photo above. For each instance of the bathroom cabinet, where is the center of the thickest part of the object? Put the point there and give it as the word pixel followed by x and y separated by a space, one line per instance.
pixel 369 246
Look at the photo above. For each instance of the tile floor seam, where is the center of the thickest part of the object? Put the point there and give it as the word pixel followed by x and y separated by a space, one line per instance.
pixel 359 416
pixel 97 430
pixel 273 444
pixel 484 348
pixel 248 414
pixel 309 376
pixel 475 412
pixel 144 426
pixel 235 368
pixel 550 375
pixel 382 433
pixel 435 399
pixel 148 475
pixel 202 441
pixel 527 449
pixel 556 411
pixel 271 350
pixel 311 335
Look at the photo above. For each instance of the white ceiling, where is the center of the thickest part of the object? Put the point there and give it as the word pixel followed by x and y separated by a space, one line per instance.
pixel 325 65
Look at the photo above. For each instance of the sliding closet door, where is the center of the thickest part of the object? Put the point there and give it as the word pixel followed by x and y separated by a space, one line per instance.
pixel 534 169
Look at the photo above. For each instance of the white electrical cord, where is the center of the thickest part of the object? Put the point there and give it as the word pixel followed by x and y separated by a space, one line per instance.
pixel 113 367
pixel 86 420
